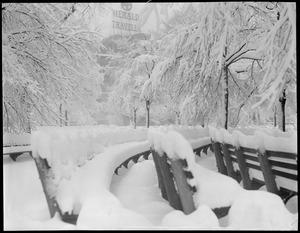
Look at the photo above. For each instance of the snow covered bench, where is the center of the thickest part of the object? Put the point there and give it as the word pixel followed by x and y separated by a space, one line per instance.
pixel 174 159
pixel 15 145
pixel 193 187
pixel 135 158
pixel 47 179
pixel 197 148
pixel 164 170
pixel 61 153
pixel 171 174
pixel 15 151
pixel 255 161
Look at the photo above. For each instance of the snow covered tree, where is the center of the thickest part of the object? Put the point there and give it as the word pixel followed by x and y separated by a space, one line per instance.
pixel 124 96
pixel 143 66
pixel 279 49
pixel 48 59
pixel 203 57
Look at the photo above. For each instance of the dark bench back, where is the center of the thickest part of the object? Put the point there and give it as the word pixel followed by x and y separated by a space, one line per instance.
pixel 265 167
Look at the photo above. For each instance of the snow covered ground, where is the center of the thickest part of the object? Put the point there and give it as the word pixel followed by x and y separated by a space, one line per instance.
pixel 132 199
pixel 135 188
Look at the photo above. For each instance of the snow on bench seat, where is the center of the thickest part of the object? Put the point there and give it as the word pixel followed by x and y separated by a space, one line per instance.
pixel 16 150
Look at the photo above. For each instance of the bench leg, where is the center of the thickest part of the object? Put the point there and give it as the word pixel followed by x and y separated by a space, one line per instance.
pixel 14 156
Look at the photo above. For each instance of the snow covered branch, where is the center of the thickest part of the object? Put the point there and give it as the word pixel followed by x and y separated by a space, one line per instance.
pixel 37 57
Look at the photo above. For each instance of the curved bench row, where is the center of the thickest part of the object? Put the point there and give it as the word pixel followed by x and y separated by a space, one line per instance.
pixel 244 164
pixel 46 176
pixel 146 154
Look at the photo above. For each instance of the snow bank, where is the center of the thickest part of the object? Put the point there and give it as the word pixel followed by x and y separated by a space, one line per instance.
pixel 26 223
pixel 259 210
pixel 138 190
pixel 263 139
pixel 202 218
pixel 106 212
pixel 214 189
pixel 292 204
pixel 271 131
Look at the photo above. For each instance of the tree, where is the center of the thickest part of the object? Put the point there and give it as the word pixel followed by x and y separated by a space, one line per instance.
pixel 279 49
pixel 125 87
pixel 201 58
pixel 198 54
pixel 125 95
pixel 48 58
pixel 143 66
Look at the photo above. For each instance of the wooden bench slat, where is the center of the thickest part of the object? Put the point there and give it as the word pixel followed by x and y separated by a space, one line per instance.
pixel 281 154
pixel 256 167
pixel 233 159
pixel 285 174
pixel 252 158
pixel 231 152
pixel 230 146
pixel 249 150
pixel 283 165
pixel 250 165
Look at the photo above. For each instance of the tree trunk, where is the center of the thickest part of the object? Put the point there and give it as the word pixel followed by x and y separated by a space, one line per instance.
pixel 148 113
pixel 134 117
pixel 60 115
pixel 27 126
pixel 28 130
pixel 282 101
pixel 257 117
pixel 66 117
pixel 225 89
pixel 177 119
pixel 275 120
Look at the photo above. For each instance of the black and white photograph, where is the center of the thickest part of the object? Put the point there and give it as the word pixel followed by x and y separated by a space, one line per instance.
pixel 149 116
